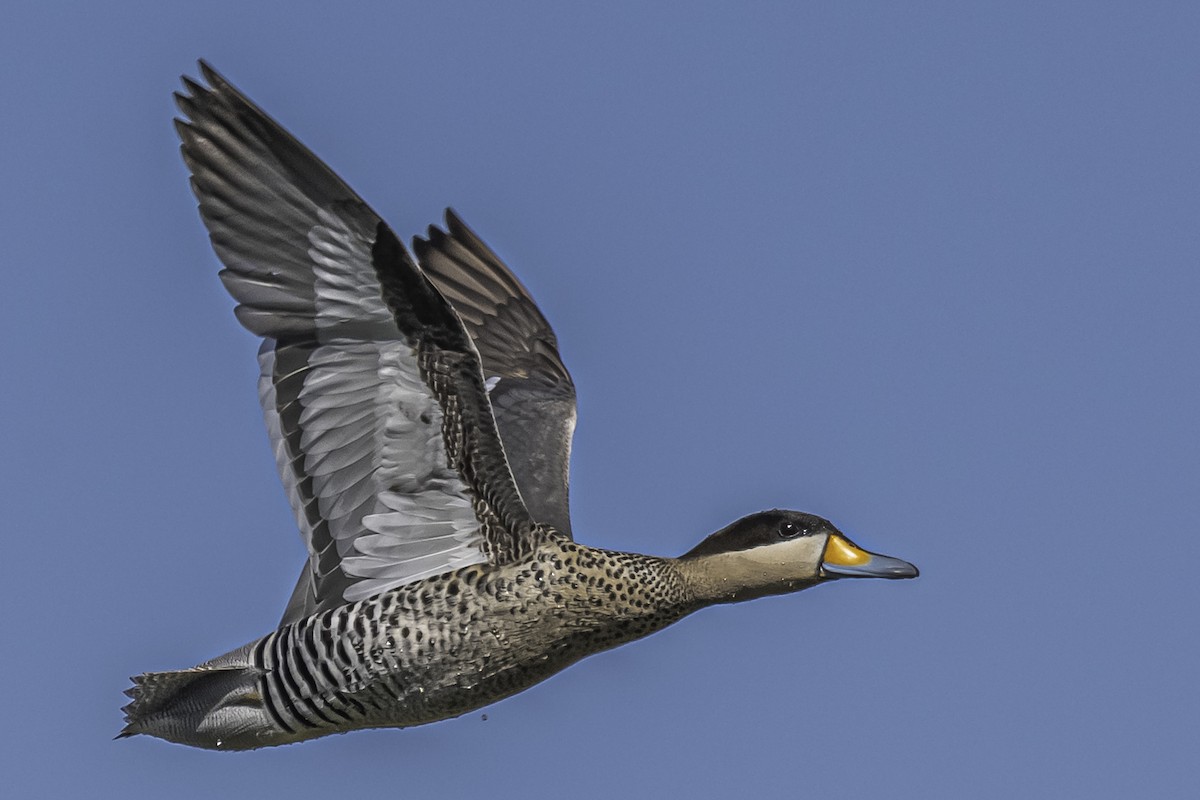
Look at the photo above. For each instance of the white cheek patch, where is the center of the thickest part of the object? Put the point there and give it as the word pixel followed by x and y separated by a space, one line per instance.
pixel 789 560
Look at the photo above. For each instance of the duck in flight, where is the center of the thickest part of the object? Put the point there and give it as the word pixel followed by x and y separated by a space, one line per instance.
pixel 421 420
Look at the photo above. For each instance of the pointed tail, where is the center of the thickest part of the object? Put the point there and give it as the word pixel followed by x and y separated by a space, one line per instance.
pixel 212 707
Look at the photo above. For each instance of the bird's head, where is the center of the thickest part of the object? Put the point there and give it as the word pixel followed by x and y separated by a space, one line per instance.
pixel 779 551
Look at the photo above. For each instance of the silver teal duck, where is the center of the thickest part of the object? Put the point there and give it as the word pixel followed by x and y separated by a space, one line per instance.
pixel 421 420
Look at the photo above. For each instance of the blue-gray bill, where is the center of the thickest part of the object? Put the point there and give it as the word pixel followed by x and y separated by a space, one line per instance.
pixel 876 566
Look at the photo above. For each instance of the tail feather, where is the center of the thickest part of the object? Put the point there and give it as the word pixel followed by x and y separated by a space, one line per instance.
pixel 152 690
pixel 216 707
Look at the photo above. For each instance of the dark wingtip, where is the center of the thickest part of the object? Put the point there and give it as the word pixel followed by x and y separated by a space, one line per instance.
pixel 420 246
pixel 435 237
pixel 213 77
pixel 193 87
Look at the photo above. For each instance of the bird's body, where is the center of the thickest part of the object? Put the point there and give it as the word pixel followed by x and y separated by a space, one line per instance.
pixel 421 419
pixel 434 649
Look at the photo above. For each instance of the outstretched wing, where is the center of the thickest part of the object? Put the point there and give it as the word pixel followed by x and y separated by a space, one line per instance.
pixel 531 391
pixel 371 388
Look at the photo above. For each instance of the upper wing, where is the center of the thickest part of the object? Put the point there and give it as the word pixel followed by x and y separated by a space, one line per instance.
pixel 371 388
pixel 531 391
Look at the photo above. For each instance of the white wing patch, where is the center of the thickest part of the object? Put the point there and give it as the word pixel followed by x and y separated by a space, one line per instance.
pixel 371 448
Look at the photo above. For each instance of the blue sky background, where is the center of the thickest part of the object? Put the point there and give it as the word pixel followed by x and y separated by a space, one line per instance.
pixel 931 270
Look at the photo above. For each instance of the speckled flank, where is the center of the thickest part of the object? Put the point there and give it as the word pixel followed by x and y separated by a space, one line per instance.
pixel 457 642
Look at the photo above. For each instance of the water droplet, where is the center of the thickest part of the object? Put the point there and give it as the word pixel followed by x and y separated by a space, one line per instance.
pixel 484 718
pixel 220 743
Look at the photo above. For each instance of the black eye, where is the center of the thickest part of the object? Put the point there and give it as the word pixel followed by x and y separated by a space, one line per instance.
pixel 790 530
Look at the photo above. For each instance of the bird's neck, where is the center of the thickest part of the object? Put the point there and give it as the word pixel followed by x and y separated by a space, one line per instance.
pixel 735 576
